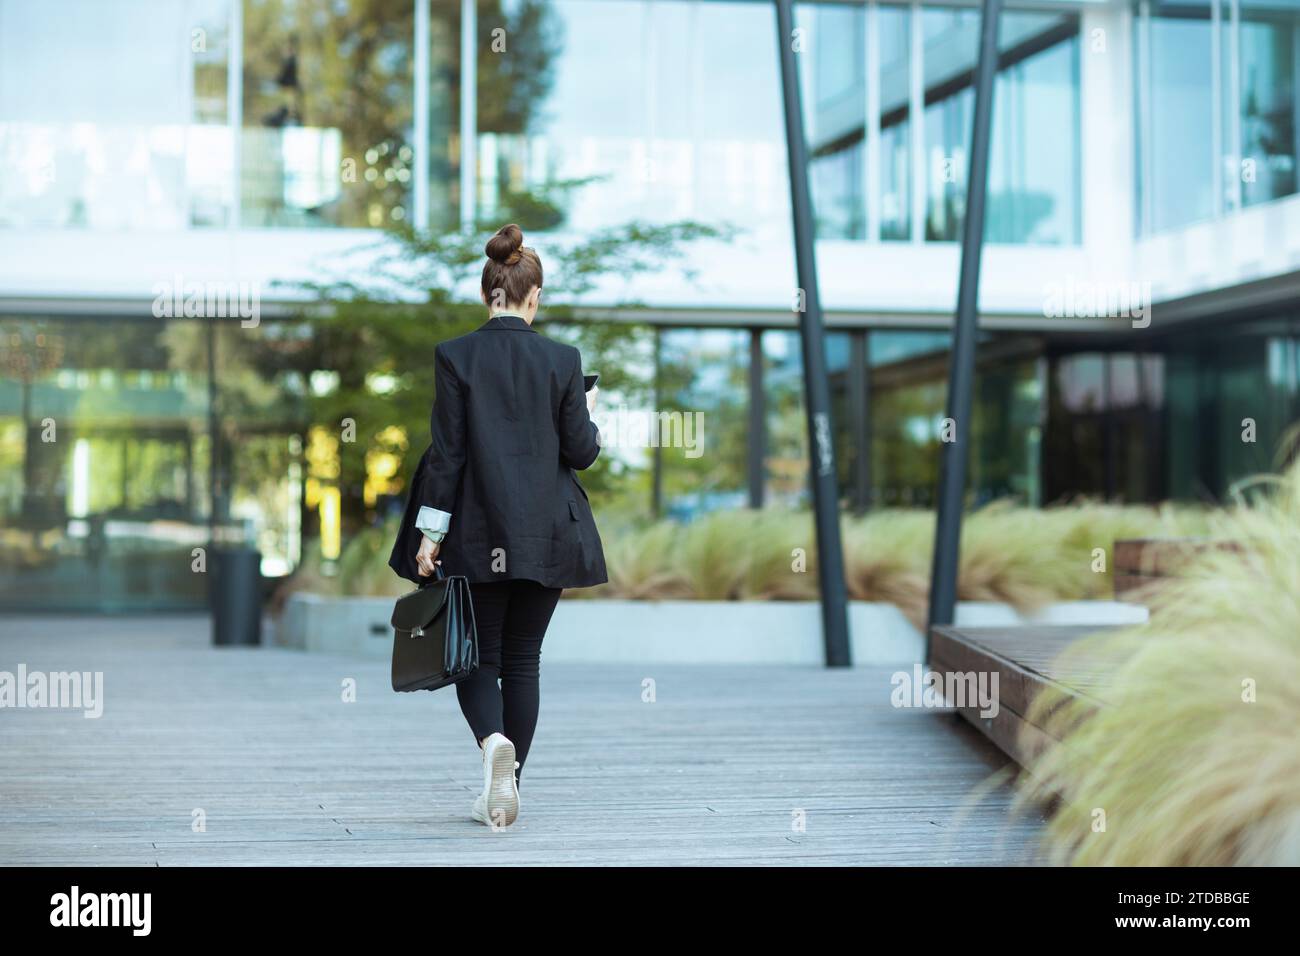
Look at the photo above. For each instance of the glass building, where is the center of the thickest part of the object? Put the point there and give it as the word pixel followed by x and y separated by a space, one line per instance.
pixel 1140 298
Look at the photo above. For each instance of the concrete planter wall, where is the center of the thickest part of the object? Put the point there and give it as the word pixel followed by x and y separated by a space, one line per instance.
pixel 758 632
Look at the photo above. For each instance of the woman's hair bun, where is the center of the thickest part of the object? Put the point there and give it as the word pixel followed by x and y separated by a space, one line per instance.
pixel 505 245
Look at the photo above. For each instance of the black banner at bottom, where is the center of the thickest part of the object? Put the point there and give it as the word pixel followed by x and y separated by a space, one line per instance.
pixel 211 905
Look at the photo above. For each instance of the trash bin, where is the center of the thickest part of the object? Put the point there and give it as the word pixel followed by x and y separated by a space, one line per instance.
pixel 236 597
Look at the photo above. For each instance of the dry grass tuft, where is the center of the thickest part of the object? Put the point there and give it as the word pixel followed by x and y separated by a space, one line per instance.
pixel 1022 556
pixel 1189 770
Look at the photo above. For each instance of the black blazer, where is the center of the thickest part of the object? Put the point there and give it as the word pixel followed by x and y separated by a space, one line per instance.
pixel 509 426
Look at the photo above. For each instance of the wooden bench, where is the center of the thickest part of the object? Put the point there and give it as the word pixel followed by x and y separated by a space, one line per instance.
pixel 1141 564
pixel 1026 660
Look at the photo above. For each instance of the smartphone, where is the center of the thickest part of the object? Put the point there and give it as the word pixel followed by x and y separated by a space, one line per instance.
pixel 589 382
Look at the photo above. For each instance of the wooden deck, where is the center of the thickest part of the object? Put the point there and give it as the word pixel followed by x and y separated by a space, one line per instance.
pixel 715 771
pixel 1027 660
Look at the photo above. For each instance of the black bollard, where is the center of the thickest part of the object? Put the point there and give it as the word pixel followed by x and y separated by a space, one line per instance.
pixel 236 597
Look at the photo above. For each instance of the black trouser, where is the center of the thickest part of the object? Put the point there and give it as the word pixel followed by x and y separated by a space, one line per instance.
pixel 511 619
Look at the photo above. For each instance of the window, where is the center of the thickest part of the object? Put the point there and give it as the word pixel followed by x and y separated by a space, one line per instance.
pixel 327 128
pixel 660 126
pixel 1177 152
pixel 704 373
pixel 1034 172
pixel 895 122
pixel 833 72
pixel 1270 39
pixel 125 128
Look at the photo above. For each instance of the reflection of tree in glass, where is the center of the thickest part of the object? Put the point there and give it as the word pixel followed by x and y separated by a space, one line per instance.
pixel 905 441
pixel 512 83
pixel 345 70
pixel 699 373
pixel 341 69
pixel 786 451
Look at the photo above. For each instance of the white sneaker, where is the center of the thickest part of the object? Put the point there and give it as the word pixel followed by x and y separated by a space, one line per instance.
pixel 480 813
pixel 498 804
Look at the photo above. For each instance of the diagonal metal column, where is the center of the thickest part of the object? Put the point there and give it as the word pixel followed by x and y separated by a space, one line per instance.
pixel 961 377
pixel 817 391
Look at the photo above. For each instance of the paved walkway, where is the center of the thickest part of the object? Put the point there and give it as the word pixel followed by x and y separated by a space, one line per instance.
pixel 260 744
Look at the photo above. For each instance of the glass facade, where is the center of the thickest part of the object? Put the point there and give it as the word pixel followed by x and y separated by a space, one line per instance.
pixel 1177 125
pixel 1187 419
pixel 301 113
pixel 1034 150
pixel 1269 55
pixel 835 96
pixel 1104 413
pixel 327 113
pixel 336 116
pixel 1230 398
pixel 895 52
pixel 142 145
pixel 704 373
pixel 1034 171
pixel 1215 107
pixel 785 439
pixel 105 466
pixel 908 374
pixel 906 407
pixel 107 479
pixel 888 391
pixel 662 127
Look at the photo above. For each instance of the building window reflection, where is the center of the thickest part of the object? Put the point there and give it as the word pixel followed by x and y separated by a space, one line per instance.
pixel 705 373
pixel 444 146
pixel 1176 143
pixel 835 108
pixel 1269 51
pixel 1034 169
pixel 327 113
pixel 106 459
pixel 126 127
pixel 895 31
pixel 662 127
pixel 785 441
pixel 104 511
pixel 785 444
pixel 909 387
pixel 907 380
pixel 1203 149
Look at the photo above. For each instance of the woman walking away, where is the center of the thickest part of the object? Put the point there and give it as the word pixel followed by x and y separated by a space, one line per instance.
pixel 497 499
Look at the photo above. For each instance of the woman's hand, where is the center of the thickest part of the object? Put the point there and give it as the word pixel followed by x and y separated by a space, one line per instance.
pixel 426 557
pixel 591 400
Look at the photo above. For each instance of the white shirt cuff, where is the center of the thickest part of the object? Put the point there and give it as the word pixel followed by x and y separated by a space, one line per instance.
pixel 432 522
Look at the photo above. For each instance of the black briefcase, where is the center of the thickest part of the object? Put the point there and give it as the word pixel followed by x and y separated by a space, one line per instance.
pixel 434 640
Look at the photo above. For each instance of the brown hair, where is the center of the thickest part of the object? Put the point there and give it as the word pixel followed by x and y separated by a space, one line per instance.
pixel 512 267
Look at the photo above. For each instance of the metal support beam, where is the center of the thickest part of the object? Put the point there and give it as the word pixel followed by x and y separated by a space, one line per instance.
pixel 817 392
pixel 961 377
